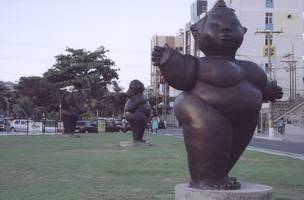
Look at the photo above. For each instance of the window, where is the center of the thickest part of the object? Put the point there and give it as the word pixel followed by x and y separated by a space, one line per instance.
pixel 196 50
pixel 180 49
pixel 269 3
pixel 188 42
pixel 266 67
pixel 204 6
pixel 268 21
pixel 268 40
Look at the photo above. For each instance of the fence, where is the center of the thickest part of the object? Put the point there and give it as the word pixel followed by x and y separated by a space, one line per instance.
pixel 28 127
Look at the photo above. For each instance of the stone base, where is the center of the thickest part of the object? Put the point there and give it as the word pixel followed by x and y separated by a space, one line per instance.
pixel 248 191
pixel 133 144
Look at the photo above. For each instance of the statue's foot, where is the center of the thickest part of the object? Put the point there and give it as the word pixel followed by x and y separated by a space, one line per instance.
pixel 74 136
pixel 139 141
pixel 228 183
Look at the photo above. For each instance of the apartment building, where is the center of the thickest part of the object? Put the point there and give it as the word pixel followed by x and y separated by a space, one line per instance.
pixel 275 27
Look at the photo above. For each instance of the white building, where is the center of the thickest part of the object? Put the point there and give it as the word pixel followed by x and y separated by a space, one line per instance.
pixel 261 16
pixel 157 82
pixel 158 85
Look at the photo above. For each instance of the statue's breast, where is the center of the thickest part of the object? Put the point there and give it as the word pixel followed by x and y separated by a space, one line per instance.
pixel 219 72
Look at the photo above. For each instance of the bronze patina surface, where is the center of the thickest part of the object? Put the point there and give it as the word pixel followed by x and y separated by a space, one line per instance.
pixel 137 110
pixel 222 97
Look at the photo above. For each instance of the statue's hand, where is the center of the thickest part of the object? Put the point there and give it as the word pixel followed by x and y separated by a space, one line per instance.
pixel 160 55
pixel 273 91
pixel 278 93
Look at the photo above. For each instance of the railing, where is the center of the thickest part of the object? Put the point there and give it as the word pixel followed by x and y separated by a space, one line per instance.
pixel 283 108
pixel 293 112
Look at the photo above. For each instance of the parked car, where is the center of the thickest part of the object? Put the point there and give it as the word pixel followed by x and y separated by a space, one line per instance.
pixel 2 125
pixel 21 125
pixel 86 126
pixel 112 124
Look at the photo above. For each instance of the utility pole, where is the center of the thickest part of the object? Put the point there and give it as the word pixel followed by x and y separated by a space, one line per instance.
pixel 165 100
pixel 292 74
pixel 270 51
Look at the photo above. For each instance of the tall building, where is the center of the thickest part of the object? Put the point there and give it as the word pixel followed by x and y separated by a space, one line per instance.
pixel 278 25
pixel 156 81
pixel 197 8
pixel 275 27
pixel 158 85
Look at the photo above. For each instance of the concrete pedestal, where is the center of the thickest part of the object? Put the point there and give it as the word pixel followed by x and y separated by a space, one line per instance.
pixel 132 144
pixel 248 191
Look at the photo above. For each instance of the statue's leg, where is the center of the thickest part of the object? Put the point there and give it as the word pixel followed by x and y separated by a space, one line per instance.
pixel 243 131
pixel 208 136
pixel 138 122
pixel 69 123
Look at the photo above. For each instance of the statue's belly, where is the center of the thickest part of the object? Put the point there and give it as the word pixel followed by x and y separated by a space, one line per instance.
pixel 243 99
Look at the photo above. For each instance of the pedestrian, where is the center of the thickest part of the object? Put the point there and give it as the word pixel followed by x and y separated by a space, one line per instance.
pixel 154 124
pixel 124 124
pixel 281 126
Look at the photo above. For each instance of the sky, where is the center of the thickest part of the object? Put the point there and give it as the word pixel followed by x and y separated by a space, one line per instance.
pixel 34 31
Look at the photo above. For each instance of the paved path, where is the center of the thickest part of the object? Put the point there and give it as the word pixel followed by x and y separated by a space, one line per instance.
pixel 260 143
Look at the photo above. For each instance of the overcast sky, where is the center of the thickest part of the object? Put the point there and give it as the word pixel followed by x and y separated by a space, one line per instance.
pixel 34 31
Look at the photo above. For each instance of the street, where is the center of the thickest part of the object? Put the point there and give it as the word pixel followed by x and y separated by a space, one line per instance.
pixel 291 149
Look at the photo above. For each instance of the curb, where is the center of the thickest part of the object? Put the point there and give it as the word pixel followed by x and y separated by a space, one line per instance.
pixel 278 153
pixel 262 150
pixel 268 138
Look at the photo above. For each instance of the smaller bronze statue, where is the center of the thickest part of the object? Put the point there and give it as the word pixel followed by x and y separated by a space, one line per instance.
pixel 137 110
pixel 71 110
pixel 222 97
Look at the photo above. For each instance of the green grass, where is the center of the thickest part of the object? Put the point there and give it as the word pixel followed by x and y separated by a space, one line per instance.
pixel 95 167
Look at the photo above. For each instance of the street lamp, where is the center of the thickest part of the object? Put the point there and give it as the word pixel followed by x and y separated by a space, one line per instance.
pixel 60 106
pixel 43 122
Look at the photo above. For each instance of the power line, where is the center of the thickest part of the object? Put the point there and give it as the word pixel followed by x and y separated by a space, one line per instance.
pixel 57 47
pixel 15 74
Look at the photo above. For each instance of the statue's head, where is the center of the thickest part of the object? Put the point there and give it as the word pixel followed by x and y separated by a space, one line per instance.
pixel 135 87
pixel 219 32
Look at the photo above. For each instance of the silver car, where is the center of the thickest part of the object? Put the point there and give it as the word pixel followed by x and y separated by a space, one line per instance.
pixel 20 125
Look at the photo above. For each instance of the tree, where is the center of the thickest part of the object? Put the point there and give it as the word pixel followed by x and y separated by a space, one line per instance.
pixel 86 76
pixel 35 95
pixel 112 104
pixel 89 73
pixel 3 97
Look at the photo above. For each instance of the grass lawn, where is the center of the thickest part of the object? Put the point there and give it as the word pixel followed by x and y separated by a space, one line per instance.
pixel 94 167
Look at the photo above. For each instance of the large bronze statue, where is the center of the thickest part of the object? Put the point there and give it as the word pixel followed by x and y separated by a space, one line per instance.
pixel 222 97
pixel 137 110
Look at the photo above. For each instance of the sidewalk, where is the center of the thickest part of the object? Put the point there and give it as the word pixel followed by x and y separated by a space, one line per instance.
pixel 292 134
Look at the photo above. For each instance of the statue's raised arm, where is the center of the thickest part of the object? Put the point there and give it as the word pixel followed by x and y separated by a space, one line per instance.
pixel 178 70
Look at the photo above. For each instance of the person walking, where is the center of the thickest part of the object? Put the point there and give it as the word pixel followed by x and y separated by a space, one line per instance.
pixel 281 126
pixel 154 124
